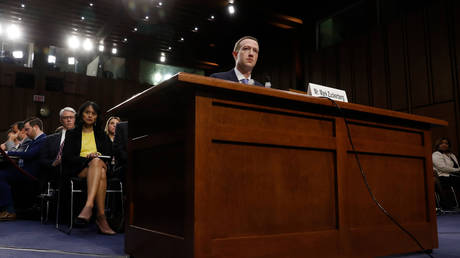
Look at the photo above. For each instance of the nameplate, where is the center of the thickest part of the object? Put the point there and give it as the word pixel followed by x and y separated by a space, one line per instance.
pixel 316 90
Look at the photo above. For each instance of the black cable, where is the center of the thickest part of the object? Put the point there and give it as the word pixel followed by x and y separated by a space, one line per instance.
pixel 369 188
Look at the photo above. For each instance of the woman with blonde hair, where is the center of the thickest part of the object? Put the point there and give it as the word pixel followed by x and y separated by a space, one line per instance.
pixel 110 126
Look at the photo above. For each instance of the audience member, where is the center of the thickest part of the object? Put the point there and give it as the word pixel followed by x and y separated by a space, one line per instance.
pixel 83 147
pixel 52 147
pixel 110 126
pixel 446 168
pixel 28 161
pixel 15 136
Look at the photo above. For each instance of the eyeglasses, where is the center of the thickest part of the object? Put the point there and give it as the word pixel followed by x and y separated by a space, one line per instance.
pixel 68 117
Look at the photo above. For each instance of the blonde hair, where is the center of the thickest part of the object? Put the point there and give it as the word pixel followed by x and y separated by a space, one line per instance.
pixel 106 130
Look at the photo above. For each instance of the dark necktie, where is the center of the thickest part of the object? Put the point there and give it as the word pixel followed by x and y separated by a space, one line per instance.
pixel 58 157
pixel 245 81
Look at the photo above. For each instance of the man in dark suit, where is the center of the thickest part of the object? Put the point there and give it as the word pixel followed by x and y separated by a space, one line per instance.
pixel 28 161
pixel 51 153
pixel 245 53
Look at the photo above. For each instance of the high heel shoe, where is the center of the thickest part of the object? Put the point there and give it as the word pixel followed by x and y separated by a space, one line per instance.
pixel 103 226
pixel 85 215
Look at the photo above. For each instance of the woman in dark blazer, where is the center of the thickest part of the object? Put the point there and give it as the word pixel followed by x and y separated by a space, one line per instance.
pixel 82 147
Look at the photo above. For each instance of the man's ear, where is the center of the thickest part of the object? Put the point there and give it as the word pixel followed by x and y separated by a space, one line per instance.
pixel 235 55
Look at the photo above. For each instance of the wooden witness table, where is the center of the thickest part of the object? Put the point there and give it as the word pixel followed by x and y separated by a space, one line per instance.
pixel 221 169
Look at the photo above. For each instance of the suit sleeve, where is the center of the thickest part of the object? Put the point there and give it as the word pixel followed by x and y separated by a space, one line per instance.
pixel 32 152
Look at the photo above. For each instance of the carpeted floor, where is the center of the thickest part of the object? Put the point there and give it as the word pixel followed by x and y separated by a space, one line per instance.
pixel 27 238
pixel 24 238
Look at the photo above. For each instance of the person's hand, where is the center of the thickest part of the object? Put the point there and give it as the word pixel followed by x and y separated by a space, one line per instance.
pixel 93 155
pixel 56 162
pixel 3 146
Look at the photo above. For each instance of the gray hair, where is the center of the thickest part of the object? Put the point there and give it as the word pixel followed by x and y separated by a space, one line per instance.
pixel 67 109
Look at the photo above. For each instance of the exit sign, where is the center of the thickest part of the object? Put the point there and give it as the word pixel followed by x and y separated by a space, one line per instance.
pixel 39 98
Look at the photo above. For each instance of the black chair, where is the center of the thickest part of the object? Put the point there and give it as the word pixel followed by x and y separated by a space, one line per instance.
pixel 446 197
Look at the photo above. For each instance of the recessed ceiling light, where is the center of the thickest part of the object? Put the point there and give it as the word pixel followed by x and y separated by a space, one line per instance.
pixel 195 29
pixel 125 40
pixel 169 48
pixel 91 4
pixel 231 9
pixel 83 18
pixel 146 17
pixel 23 5
pixel 135 29
pixel 20 18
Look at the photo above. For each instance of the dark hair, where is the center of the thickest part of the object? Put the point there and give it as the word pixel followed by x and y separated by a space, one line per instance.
pixel 33 121
pixel 439 141
pixel 237 44
pixel 79 117
pixel 19 124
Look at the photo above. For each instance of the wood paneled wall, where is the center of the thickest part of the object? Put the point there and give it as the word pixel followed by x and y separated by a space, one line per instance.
pixel 408 65
pixel 17 103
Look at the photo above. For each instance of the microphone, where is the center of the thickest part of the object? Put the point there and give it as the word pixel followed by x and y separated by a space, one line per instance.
pixel 268 83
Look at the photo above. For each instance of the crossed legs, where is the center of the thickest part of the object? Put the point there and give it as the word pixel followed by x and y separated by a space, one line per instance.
pixel 96 180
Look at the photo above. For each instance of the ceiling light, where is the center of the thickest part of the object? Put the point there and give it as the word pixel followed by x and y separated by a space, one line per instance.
pixel 51 59
pixel 231 9
pixel 13 32
pixel 162 59
pixel 75 29
pixel 114 51
pixel 91 4
pixel 195 29
pixel 135 29
pixel 169 48
pixel 23 5
pixel 211 18
pixel 18 54
pixel 88 45
pixel 73 42
pixel 71 60
pixel 125 40
pixel 181 39
pixel 101 48
pixel 160 3
pixel 83 18
pixel 146 17
pixel 20 19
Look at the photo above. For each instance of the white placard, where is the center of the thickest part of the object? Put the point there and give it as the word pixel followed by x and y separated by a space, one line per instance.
pixel 317 90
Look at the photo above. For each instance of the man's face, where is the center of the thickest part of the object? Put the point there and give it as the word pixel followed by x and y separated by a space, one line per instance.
pixel 30 131
pixel 246 57
pixel 15 128
pixel 22 134
pixel 68 120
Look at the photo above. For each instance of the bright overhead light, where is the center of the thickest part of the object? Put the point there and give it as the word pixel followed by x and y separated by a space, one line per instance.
pixel 83 18
pixel 73 42
pixel 88 45
pixel 231 9
pixel 162 58
pixel 91 4
pixel 146 17
pixel 101 48
pixel 125 40
pixel 160 3
pixel 23 5
pixel 114 51
pixel 212 17
pixel 13 32
pixel 51 59
pixel 169 48
pixel 71 60
pixel 135 29
pixel 195 29
pixel 18 54
pixel 19 19
pixel 181 39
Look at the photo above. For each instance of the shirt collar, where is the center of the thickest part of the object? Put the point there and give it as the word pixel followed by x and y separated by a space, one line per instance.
pixel 240 76
pixel 38 135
